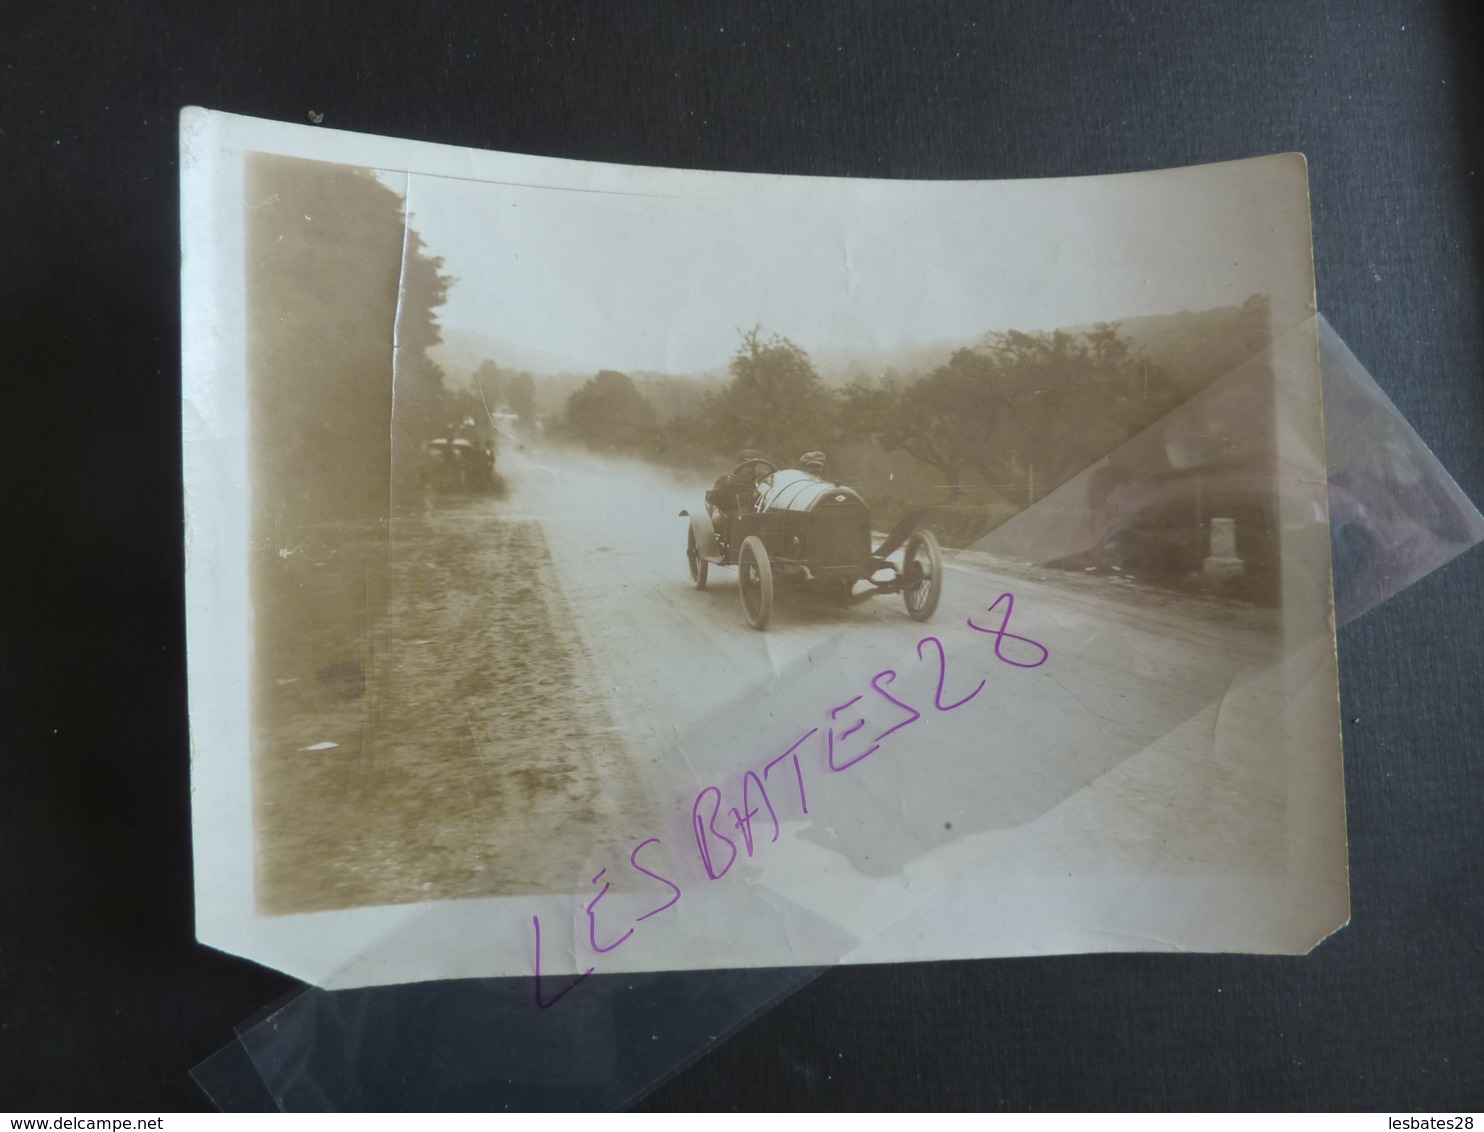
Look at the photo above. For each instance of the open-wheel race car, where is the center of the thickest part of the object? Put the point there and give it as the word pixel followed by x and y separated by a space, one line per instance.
pixel 791 527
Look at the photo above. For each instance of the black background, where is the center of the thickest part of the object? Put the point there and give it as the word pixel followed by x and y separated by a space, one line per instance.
pixel 106 1001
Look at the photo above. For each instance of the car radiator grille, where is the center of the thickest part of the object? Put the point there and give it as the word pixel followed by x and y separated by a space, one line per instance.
pixel 839 536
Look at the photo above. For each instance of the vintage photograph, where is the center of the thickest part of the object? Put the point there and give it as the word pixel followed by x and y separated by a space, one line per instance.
pixel 562 498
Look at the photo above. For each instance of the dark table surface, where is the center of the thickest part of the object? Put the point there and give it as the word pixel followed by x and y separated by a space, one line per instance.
pixel 106 1001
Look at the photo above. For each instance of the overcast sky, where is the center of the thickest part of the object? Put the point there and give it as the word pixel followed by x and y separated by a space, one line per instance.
pixel 661 272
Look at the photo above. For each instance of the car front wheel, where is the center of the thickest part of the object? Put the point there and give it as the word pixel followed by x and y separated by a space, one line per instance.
pixel 922 562
pixel 698 565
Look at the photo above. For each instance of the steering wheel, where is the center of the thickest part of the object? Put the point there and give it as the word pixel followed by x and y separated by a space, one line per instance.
pixel 742 467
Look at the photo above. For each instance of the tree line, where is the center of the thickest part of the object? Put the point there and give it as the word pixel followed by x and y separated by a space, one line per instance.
pixel 498 389
pixel 1016 413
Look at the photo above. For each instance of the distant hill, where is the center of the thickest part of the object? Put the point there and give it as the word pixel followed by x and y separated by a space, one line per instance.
pixel 556 379
pixel 1192 347
pixel 842 366
pixel 461 351
pixel 1196 347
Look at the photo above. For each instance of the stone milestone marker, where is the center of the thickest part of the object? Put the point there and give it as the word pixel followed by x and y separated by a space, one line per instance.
pixel 1223 566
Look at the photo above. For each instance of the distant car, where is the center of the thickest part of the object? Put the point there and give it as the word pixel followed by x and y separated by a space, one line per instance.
pixel 791 527
pixel 459 465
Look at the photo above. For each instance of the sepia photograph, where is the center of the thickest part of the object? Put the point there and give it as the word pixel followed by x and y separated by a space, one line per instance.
pixel 567 496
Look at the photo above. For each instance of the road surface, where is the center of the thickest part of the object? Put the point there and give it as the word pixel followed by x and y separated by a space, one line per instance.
pixel 545 683
pixel 699 695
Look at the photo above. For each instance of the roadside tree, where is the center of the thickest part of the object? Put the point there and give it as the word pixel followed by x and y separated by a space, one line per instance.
pixel 775 402
pixel 337 285
pixel 1023 412
pixel 609 412
pixel 489 384
pixel 947 419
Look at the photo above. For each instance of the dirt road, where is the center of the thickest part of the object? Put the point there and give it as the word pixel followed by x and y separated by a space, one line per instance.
pixel 545 680
pixel 694 689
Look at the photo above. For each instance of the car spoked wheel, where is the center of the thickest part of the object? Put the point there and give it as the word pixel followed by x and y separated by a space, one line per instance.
pixel 922 566
pixel 756 582
pixel 698 565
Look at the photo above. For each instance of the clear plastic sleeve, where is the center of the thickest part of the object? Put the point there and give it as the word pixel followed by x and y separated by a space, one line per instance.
pixel 564 1039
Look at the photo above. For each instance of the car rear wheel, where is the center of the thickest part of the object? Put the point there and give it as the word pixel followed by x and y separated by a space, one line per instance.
pixel 756 582
pixel 923 557
pixel 698 565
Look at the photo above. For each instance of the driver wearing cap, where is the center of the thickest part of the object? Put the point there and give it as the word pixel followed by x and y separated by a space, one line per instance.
pixel 813 463
pixel 736 491
pixel 742 479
